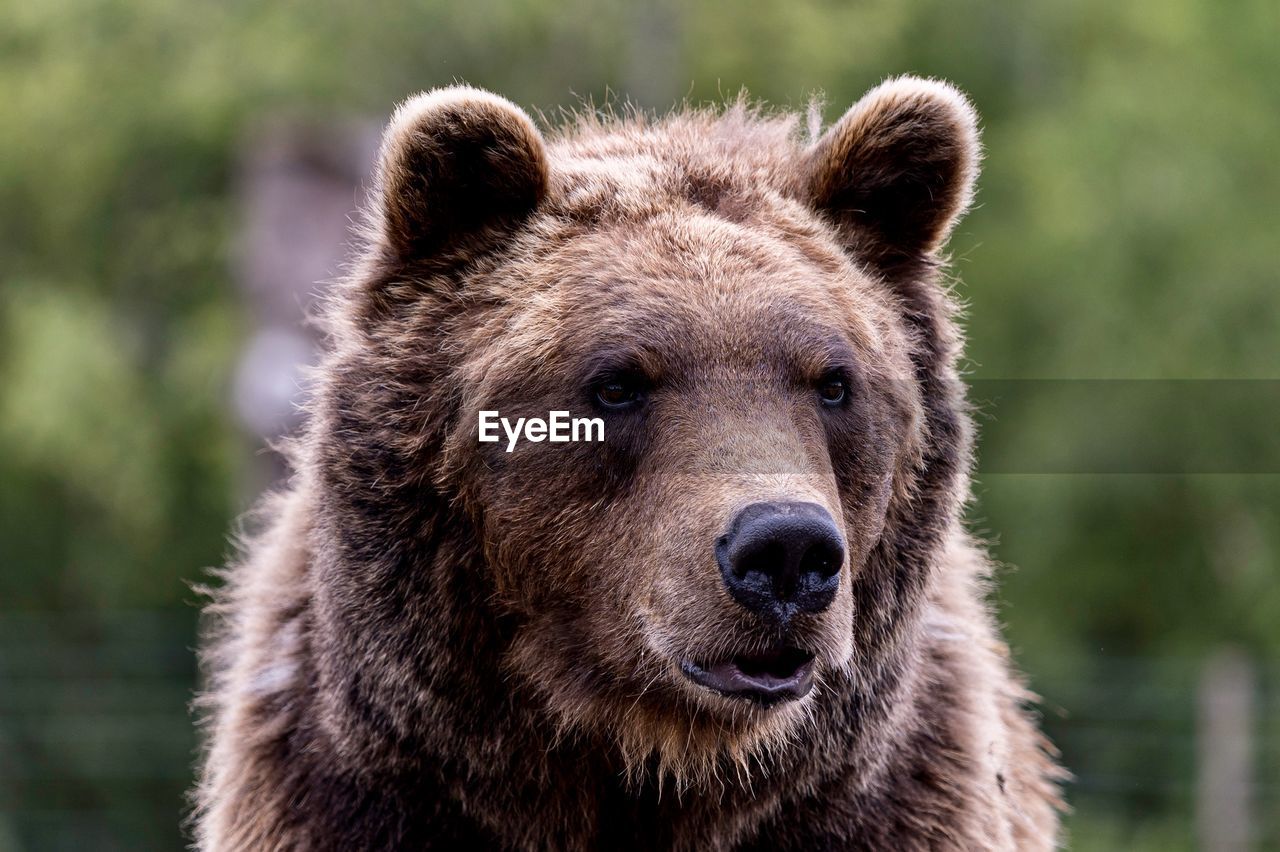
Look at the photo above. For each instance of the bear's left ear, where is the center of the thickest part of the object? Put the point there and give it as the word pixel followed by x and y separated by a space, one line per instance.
pixel 456 165
pixel 896 172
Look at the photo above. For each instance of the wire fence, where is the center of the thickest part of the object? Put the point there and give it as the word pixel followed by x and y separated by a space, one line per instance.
pixel 97 744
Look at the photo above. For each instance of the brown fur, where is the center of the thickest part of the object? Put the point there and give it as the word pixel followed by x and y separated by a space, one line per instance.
pixel 435 643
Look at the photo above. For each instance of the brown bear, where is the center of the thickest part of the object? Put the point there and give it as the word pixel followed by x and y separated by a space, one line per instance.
pixel 748 617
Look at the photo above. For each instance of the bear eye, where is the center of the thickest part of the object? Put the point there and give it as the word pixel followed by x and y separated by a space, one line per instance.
pixel 618 392
pixel 832 389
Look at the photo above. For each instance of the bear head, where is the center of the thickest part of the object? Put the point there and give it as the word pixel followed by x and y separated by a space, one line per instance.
pixel 756 319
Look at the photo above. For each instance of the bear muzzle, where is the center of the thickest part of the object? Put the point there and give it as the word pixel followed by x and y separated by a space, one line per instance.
pixel 778 561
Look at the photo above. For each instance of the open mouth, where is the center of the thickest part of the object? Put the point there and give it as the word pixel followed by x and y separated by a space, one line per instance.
pixel 771 677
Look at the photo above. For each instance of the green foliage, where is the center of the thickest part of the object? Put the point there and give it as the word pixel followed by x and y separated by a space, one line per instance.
pixel 1126 228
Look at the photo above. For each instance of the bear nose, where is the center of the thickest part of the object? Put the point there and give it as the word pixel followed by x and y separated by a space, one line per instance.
pixel 781 558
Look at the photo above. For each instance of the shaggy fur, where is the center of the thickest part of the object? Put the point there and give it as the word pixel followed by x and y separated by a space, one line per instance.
pixel 436 644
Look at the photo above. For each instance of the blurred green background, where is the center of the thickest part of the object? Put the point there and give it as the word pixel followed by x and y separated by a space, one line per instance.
pixel 1128 227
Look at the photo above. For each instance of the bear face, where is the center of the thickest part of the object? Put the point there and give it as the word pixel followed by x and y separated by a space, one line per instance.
pixel 722 339
pixel 755 321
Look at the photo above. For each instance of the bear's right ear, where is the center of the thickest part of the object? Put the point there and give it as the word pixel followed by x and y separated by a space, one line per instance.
pixel 455 164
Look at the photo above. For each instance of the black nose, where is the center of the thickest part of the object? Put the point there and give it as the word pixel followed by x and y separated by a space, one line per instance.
pixel 781 558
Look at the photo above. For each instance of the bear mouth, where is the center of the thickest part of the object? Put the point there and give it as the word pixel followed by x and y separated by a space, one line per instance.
pixel 771 677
